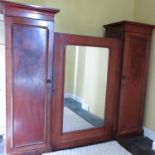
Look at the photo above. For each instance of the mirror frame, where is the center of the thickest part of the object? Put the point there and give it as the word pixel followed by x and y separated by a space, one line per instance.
pixel 62 140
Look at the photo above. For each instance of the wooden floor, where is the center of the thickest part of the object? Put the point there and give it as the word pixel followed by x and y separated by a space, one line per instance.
pixel 137 146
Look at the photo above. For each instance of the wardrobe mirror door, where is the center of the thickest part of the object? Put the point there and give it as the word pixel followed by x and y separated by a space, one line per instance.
pixel 85 89
pixel 85 85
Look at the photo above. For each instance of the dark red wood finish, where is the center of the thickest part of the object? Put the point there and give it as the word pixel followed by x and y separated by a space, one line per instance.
pixel 72 139
pixel 29 55
pixel 136 39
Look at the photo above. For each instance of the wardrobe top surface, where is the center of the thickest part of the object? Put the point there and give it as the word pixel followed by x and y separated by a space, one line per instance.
pixel 132 23
pixel 29 6
pixel 129 26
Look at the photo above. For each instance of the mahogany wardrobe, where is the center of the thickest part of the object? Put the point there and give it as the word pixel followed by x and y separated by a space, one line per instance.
pixel 29 35
pixel 136 39
pixel 36 63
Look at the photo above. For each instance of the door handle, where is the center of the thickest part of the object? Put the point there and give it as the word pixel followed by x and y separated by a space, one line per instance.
pixel 124 77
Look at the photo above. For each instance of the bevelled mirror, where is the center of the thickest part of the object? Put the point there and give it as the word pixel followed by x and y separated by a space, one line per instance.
pixel 84 90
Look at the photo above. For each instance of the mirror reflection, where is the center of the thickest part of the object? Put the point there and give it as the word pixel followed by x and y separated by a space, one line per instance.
pixel 85 85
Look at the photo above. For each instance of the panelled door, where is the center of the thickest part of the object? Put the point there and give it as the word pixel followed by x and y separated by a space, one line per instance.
pixel 29 72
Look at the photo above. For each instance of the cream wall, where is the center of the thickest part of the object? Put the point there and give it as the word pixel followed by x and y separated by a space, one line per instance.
pixel 145 12
pixel 87 16
pixel 149 121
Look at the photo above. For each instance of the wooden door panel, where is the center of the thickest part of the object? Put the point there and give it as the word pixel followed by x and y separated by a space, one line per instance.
pixel 29 84
pixel 133 83
pixel 29 68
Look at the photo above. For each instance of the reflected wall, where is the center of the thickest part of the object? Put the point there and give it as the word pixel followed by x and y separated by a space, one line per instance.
pixel 86 70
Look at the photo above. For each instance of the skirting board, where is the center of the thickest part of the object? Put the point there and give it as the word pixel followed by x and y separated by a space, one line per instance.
pixel 149 133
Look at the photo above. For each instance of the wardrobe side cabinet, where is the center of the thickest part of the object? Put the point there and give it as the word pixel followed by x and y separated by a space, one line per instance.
pixel 136 39
pixel 29 53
